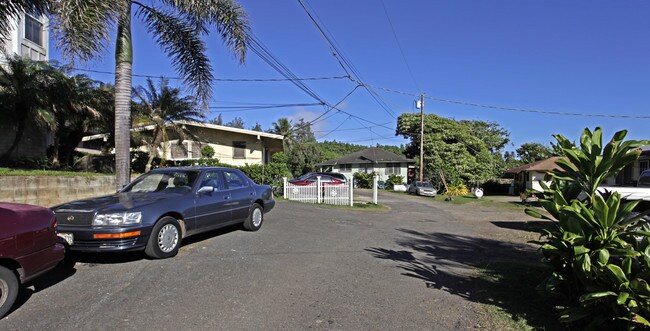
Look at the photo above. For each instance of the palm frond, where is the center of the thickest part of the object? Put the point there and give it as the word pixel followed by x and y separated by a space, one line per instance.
pixel 227 16
pixel 182 43
pixel 82 27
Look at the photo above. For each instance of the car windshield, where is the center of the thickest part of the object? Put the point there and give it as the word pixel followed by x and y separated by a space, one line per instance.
pixel 178 181
pixel 424 184
pixel 305 176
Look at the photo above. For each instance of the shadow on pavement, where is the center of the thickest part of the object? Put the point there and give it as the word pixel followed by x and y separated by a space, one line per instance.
pixel 529 226
pixel 60 273
pixel 507 276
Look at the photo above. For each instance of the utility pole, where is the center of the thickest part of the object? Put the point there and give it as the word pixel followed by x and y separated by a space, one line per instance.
pixel 421 137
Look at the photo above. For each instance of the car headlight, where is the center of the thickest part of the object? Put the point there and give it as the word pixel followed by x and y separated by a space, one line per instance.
pixel 116 219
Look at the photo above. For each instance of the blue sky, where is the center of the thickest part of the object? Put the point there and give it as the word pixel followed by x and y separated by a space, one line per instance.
pixel 587 57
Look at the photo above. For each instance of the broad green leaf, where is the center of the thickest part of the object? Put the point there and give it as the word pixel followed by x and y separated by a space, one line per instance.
pixel 603 256
pixel 636 318
pixel 640 286
pixel 622 297
pixel 596 295
pixel 615 274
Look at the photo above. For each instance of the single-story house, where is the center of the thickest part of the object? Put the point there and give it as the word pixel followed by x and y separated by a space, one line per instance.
pixel 231 145
pixel 529 176
pixel 629 176
pixel 382 162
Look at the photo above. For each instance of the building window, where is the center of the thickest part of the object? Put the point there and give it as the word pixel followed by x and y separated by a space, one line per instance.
pixel 33 30
pixel 643 165
pixel 238 149
pixel 367 168
pixel 393 168
pixel 345 167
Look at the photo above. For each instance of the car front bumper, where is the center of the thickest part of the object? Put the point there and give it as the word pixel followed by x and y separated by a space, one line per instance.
pixel 427 193
pixel 84 241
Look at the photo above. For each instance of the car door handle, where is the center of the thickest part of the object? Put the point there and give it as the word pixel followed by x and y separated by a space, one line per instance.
pixel 226 197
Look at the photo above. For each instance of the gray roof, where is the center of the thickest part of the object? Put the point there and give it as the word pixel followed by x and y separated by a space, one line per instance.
pixel 368 155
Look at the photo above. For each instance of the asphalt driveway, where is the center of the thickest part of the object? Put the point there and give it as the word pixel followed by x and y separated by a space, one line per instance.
pixel 309 267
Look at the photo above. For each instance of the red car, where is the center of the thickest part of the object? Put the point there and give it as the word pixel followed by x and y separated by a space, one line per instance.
pixel 312 177
pixel 28 248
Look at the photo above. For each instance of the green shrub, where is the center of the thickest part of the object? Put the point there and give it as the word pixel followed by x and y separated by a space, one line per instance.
pixel 207 151
pixel 599 251
pixel 271 173
pixel 393 180
pixel 363 179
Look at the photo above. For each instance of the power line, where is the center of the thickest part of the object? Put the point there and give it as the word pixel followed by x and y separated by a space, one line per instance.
pixel 399 45
pixel 333 107
pixel 523 110
pixel 228 109
pixel 343 61
pixel 216 79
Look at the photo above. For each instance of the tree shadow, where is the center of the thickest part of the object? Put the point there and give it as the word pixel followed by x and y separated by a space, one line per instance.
pixel 482 270
pixel 528 226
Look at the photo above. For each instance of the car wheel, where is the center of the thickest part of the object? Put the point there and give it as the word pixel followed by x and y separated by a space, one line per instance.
pixel 255 218
pixel 8 290
pixel 165 239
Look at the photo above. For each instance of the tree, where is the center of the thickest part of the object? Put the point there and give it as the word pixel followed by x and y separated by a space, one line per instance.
pixel 257 127
pixel 453 148
pixel 23 91
pixel 163 106
pixel 236 122
pixel 77 105
pixel 82 29
pixel 284 128
pixel 216 121
pixel 531 152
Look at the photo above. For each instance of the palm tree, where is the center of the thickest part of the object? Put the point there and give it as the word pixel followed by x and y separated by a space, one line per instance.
pixel 284 128
pixel 77 107
pixel 82 29
pixel 23 91
pixel 162 107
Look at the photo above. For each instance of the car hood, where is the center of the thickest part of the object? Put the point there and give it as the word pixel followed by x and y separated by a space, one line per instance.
pixel 116 202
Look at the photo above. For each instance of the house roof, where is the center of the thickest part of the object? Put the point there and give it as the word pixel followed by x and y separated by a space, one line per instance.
pixel 201 125
pixel 540 166
pixel 368 155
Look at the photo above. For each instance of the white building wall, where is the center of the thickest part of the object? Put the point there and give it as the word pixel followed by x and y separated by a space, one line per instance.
pixel 379 168
pixel 18 44
pixel 535 179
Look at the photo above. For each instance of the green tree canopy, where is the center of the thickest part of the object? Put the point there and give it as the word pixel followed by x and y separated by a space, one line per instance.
pixel 465 151
pixel 531 152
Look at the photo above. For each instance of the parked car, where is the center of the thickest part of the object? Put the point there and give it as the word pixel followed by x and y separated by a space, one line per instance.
pixel 160 208
pixel 312 177
pixel 423 188
pixel 28 248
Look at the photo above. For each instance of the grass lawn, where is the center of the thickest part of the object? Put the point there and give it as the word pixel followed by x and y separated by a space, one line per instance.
pixel 22 172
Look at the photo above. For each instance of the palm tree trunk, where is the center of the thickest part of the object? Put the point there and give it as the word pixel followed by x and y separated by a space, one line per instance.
pixel 123 76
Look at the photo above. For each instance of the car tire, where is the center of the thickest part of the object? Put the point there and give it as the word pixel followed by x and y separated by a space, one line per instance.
pixel 165 239
pixel 9 288
pixel 255 218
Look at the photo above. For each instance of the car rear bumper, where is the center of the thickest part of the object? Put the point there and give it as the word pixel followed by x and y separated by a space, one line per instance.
pixel 427 194
pixel 268 205
pixel 37 263
pixel 84 241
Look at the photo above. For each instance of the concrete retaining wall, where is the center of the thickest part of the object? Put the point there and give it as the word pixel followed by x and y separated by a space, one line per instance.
pixel 49 191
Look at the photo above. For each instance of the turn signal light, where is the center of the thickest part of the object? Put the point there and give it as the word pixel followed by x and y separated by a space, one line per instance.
pixel 116 235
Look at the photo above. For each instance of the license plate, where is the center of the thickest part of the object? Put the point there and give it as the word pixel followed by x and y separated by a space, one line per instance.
pixel 68 237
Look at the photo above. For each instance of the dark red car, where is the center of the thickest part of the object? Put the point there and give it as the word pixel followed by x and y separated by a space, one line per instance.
pixel 28 248
pixel 311 178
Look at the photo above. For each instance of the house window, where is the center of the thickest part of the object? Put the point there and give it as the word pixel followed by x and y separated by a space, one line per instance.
pixel 367 168
pixel 345 167
pixel 643 165
pixel 393 168
pixel 238 149
pixel 33 30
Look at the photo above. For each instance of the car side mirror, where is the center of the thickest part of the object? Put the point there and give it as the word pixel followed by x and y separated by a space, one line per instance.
pixel 205 189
